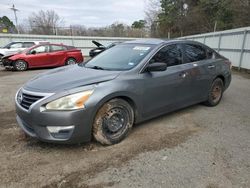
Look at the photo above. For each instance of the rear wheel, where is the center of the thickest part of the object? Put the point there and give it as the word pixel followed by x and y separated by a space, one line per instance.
pixel 70 61
pixel 20 65
pixel 113 122
pixel 215 93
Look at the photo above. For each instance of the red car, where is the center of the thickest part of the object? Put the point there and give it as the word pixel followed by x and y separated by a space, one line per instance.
pixel 44 55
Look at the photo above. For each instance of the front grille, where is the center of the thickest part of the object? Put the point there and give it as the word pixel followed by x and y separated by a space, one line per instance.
pixel 28 100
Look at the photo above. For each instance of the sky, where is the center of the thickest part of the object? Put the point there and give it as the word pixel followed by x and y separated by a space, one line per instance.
pixel 91 13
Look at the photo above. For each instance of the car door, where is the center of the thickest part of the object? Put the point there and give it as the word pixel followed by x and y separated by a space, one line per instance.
pixel 164 91
pixel 39 56
pixel 200 68
pixel 58 55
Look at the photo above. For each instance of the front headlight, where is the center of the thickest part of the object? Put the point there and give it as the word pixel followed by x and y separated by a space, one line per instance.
pixel 70 102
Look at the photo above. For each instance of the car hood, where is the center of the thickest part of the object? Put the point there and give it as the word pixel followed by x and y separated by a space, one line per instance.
pixel 5 51
pixel 98 44
pixel 68 77
pixel 15 56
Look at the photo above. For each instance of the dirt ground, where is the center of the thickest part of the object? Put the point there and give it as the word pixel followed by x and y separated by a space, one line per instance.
pixel 194 147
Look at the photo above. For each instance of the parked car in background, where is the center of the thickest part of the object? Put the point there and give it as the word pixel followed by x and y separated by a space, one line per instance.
pixel 15 47
pixel 43 55
pixel 100 48
pixel 127 84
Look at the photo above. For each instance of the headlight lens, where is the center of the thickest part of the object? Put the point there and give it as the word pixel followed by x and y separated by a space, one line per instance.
pixel 70 102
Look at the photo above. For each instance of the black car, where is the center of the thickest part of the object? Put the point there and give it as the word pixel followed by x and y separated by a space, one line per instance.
pixel 127 84
pixel 100 48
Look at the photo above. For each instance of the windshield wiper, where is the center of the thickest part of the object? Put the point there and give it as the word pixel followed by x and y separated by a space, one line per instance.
pixel 96 67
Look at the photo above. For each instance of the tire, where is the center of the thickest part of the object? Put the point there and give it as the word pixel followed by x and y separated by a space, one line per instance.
pixel 20 65
pixel 215 93
pixel 1 59
pixel 113 122
pixel 70 61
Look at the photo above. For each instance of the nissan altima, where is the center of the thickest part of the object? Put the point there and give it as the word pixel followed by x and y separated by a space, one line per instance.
pixel 127 84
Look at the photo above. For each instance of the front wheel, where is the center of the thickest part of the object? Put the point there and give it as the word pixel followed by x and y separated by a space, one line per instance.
pixel 20 65
pixel 215 93
pixel 113 121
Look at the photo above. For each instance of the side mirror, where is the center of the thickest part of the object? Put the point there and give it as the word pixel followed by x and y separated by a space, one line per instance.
pixel 33 52
pixel 155 67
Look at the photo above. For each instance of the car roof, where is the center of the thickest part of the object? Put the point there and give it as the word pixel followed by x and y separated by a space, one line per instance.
pixel 47 43
pixel 146 41
pixel 36 41
pixel 162 41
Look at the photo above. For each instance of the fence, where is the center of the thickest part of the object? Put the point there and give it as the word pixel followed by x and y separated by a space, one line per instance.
pixel 233 44
pixel 83 43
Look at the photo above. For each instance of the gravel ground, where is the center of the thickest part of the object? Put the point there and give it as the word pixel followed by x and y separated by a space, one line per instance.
pixel 194 147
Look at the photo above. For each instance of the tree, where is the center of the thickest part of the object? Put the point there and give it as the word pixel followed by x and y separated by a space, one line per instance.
pixel 241 13
pixel 78 30
pixel 6 24
pixel 153 9
pixel 117 29
pixel 186 17
pixel 139 24
pixel 45 22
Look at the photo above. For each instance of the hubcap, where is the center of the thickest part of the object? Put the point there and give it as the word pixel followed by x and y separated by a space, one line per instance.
pixel 115 121
pixel 71 62
pixel 216 92
pixel 20 65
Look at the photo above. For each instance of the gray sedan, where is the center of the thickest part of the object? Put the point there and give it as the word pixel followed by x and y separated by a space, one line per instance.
pixel 127 84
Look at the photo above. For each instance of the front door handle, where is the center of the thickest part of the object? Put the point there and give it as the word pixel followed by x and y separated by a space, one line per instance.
pixel 183 74
pixel 211 66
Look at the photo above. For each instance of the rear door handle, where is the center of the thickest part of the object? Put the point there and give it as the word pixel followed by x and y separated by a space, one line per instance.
pixel 211 66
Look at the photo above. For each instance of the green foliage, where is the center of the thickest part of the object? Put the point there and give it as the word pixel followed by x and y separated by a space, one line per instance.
pixel 5 23
pixel 139 24
pixel 184 17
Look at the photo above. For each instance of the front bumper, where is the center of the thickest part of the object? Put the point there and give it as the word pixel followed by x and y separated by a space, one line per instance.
pixel 6 62
pixel 34 122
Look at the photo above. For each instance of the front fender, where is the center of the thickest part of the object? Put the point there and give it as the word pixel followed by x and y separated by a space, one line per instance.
pixel 106 91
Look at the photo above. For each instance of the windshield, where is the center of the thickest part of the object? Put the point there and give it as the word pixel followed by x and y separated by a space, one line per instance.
pixel 120 57
pixel 8 45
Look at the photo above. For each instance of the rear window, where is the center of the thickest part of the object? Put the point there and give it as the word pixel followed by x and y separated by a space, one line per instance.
pixel 71 47
pixel 194 53
pixel 55 48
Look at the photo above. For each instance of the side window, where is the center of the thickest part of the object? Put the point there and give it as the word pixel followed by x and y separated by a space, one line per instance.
pixel 194 53
pixel 171 55
pixel 210 54
pixel 39 49
pixel 16 45
pixel 55 48
pixel 28 44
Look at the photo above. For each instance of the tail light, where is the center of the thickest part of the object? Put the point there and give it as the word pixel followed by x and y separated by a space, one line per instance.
pixel 229 63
